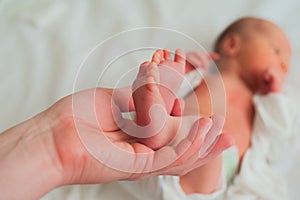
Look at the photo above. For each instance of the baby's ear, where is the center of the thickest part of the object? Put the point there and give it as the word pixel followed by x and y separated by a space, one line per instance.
pixel 231 45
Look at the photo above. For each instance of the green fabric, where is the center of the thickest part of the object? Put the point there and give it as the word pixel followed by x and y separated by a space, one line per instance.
pixel 230 162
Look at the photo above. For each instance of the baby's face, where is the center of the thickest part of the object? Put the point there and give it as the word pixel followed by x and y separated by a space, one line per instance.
pixel 265 57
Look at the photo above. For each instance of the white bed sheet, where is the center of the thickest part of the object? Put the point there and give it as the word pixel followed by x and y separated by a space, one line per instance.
pixel 44 42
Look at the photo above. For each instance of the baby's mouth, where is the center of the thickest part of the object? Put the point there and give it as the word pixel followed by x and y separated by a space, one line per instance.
pixel 266 86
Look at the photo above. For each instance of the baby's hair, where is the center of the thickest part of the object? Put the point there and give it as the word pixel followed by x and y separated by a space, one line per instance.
pixel 241 27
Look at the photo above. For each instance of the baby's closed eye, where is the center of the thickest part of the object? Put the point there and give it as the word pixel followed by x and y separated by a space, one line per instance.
pixel 276 50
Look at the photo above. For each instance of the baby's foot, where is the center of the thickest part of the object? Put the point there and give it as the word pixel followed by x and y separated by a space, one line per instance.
pixel 146 93
pixel 171 74
pixel 151 114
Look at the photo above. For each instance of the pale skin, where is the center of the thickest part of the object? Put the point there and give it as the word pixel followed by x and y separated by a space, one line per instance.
pixel 249 64
pixel 47 150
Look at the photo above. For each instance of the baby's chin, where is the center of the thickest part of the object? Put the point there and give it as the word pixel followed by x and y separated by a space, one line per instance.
pixel 270 88
pixel 264 91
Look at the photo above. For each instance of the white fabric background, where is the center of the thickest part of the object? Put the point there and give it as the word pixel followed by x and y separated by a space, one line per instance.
pixel 42 44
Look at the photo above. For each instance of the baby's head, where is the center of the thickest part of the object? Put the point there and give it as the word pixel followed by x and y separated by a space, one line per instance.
pixel 259 50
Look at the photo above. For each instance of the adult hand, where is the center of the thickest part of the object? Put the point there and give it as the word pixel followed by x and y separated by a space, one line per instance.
pixel 63 146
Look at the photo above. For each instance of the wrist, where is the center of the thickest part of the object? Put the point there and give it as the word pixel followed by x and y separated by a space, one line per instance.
pixel 29 166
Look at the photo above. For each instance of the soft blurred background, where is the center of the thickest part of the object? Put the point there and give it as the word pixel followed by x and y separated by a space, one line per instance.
pixel 44 42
